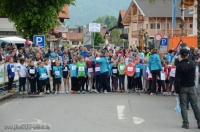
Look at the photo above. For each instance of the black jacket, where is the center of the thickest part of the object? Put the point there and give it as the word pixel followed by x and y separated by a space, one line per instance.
pixel 185 74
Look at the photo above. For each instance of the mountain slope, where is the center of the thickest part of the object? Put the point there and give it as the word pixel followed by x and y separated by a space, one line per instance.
pixel 86 11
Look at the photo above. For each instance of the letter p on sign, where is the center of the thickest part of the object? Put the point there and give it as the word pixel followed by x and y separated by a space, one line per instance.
pixel 40 40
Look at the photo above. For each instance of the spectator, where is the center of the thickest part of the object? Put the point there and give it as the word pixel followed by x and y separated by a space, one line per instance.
pixel 85 53
pixel 27 43
pixel 154 64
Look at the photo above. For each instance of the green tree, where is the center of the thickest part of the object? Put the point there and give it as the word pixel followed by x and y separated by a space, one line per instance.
pixel 110 21
pixel 33 16
pixel 98 39
pixel 115 37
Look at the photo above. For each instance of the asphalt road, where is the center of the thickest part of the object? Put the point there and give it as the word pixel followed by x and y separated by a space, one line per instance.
pixel 113 112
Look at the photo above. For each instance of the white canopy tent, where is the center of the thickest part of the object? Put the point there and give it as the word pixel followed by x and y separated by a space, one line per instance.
pixel 15 40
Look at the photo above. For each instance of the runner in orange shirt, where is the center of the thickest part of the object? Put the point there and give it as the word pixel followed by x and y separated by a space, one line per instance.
pixel 130 71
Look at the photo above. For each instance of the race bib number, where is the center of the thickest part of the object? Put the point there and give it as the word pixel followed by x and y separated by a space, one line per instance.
pixel 122 67
pixel 130 68
pixel 149 75
pixel 172 72
pixel 65 69
pixel 162 76
pixel 97 69
pixel 148 71
pixel 57 73
pixel 73 67
pixel 114 70
pixel 90 69
pixel 44 75
pixel 137 69
pixel 13 69
pixel 81 68
pixel 32 71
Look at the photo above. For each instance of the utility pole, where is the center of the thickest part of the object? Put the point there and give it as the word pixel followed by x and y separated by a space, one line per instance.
pixel 182 18
pixel 198 22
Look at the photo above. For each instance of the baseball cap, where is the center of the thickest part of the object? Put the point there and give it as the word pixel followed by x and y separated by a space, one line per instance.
pixel 184 52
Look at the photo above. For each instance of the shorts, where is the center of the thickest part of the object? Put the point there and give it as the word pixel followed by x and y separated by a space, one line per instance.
pixel 91 77
pixel 57 80
pixel 65 76
pixel 172 80
pixel 42 82
pixel 167 81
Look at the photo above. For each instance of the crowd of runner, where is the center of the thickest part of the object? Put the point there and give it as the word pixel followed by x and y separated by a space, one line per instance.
pixel 96 71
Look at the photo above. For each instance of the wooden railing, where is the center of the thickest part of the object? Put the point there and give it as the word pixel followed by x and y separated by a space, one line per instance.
pixel 139 17
pixel 176 32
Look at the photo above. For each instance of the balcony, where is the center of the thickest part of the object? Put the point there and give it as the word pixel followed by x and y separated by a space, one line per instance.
pixel 138 18
pixel 177 32
pixel 135 34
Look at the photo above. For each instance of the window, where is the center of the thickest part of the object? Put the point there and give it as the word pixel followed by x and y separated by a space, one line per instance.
pixel 167 25
pixel 153 26
pixel 195 22
pixel 147 26
pixel 191 25
pixel 179 25
pixel 158 26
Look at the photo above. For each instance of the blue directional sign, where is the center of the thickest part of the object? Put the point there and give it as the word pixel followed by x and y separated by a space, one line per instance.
pixel 40 40
pixel 164 42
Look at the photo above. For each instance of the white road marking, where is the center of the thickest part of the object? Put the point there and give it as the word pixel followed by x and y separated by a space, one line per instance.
pixel 120 112
pixel 137 120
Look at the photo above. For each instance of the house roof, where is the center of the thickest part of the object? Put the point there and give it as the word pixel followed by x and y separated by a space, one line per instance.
pixel 73 34
pixel 63 15
pixel 159 9
pixel 122 12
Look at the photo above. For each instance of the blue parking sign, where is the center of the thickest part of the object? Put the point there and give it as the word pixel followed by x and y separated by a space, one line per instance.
pixel 164 42
pixel 40 40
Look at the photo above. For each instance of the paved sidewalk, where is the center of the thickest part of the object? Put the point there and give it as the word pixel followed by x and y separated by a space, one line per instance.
pixel 8 95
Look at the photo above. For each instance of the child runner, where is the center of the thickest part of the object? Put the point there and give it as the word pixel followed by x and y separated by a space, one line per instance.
pixel 163 78
pixel 130 71
pixel 57 71
pixel 81 74
pixel 172 72
pixel 11 74
pixel 48 67
pixel 138 75
pixel 149 77
pixel 27 64
pixel 167 76
pixel 90 65
pixel 21 69
pixel 32 74
pixel 52 65
pixel 37 78
pixel 73 74
pixel 66 74
pixel 115 77
pixel 97 77
pixel 42 74
pixel 145 80
pixel 121 70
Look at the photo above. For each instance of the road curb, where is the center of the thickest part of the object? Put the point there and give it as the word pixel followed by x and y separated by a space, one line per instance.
pixel 8 95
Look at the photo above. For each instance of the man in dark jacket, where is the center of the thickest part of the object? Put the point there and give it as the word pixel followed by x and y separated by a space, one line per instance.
pixel 185 87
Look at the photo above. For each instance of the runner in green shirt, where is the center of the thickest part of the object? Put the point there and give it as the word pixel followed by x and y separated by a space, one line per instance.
pixel 81 75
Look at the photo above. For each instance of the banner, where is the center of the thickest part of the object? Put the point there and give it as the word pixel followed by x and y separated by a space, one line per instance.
pixel 6 74
pixel 2 74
